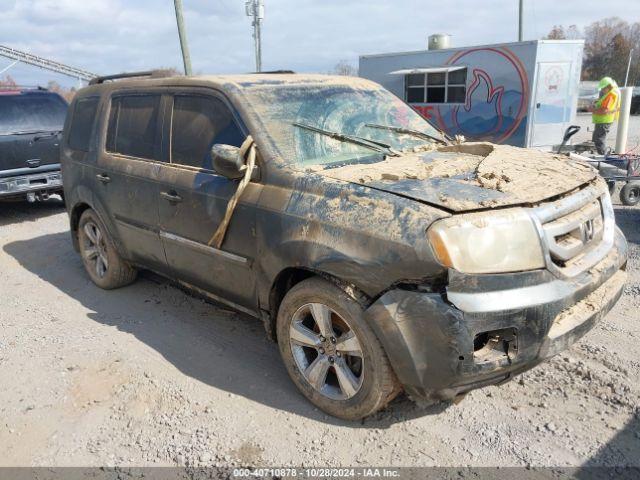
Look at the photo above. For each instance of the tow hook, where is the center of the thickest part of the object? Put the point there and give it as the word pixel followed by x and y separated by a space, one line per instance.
pixel 510 344
pixel 490 346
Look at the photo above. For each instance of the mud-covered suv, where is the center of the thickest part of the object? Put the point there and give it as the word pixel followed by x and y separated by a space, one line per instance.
pixel 380 255
pixel 31 122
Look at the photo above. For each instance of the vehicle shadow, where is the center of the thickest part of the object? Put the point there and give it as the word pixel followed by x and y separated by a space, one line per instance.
pixel 18 212
pixel 628 219
pixel 214 345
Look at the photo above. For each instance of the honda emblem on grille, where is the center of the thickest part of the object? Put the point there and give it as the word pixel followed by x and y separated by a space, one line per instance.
pixel 587 231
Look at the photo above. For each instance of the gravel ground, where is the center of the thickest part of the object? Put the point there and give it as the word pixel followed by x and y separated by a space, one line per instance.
pixel 148 375
pixel 633 140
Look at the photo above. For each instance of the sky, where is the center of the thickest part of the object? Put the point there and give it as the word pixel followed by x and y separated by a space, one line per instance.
pixel 111 36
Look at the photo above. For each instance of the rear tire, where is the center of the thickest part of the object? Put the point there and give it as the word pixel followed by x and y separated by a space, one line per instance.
pixel 630 194
pixel 99 255
pixel 340 367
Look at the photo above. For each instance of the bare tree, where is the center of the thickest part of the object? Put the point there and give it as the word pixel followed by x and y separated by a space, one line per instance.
pixel 607 46
pixel 606 49
pixel 64 92
pixel 343 67
pixel 166 72
pixel 556 33
pixel 7 81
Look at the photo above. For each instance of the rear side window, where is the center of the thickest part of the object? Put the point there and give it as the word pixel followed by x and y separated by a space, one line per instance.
pixel 31 112
pixel 197 124
pixel 133 122
pixel 84 114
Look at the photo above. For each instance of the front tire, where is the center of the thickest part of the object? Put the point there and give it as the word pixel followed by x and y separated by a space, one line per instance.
pixel 330 352
pixel 99 255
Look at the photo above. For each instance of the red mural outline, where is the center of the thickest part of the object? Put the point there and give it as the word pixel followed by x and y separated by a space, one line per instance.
pixel 522 73
pixel 491 92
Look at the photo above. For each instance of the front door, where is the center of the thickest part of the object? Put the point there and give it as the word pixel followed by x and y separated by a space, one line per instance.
pixel 194 198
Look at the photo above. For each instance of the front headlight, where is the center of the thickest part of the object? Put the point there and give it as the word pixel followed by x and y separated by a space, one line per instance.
pixel 487 242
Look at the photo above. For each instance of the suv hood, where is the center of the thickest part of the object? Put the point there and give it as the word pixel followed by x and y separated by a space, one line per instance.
pixel 471 176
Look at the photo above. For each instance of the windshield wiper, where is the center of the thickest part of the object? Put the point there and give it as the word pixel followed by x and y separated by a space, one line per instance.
pixel 33 132
pixel 363 142
pixel 408 131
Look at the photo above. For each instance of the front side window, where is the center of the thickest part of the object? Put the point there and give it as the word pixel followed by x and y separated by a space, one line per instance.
pixel 133 122
pixel 197 124
pixel 84 114
pixel 437 87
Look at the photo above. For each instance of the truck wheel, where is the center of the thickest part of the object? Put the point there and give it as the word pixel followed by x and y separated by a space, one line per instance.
pixel 101 260
pixel 330 352
pixel 612 186
pixel 630 194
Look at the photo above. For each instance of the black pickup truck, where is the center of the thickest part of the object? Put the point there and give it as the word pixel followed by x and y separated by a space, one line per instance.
pixel 30 124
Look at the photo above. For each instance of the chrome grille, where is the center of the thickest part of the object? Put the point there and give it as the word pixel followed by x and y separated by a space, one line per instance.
pixel 570 235
pixel 576 231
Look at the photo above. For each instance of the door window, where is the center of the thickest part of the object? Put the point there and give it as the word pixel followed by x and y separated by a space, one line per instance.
pixel 132 128
pixel 84 114
pixel 197 124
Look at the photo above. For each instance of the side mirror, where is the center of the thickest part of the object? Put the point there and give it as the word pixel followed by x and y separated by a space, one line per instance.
pixel 227 161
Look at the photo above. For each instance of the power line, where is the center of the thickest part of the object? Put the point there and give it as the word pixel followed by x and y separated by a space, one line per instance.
pixel 46 64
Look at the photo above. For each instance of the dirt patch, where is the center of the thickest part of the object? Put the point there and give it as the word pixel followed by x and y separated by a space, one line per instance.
pixel 521 176
pixel 199 385
pixel 413 167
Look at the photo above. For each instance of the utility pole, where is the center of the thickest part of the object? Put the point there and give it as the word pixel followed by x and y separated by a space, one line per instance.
pixel 255 9
pixel 520 13
pixel 186 58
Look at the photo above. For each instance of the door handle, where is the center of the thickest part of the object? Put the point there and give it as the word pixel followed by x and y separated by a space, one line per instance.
pixel 103 177
pixel 171 196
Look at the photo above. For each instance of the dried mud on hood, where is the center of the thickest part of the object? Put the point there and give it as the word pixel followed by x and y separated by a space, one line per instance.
pixel 471 175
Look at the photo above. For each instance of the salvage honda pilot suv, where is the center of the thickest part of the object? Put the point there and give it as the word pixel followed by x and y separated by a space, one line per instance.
pixel 381 256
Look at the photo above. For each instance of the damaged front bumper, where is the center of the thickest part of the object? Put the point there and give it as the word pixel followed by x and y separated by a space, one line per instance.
pixel 487 328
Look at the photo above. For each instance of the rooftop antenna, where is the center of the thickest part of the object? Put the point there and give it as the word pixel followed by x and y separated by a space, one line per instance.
pixel 186 58
pixel 255 9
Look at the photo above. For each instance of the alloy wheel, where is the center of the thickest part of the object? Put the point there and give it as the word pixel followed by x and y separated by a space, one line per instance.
pixel 327 351
pixel 95 249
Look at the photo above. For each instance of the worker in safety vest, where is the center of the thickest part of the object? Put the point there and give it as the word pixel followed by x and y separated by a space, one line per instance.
pixel 605 111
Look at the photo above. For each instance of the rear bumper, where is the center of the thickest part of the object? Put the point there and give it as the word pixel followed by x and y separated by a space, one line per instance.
pixel 49 181
pixel 437 343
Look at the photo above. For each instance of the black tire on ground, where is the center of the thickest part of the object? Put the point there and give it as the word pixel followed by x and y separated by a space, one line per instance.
pixel 358 378
pixel 99 256
pixel 630 194
pixel 612 186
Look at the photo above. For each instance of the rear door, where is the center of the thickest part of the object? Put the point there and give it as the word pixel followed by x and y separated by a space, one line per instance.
pixel 126 175
pixel 30 127
pixel 194 199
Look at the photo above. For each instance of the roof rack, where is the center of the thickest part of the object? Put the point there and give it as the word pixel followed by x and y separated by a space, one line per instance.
pixel 275 72
pixel 119 76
